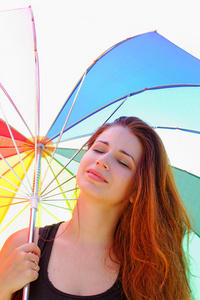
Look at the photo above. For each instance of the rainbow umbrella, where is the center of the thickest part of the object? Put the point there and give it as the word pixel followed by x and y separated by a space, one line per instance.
pixel 146 76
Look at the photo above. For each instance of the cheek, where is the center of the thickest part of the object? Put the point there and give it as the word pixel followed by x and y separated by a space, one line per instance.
pixel 82 167
pixel 78 176
pixel 85 159
pixel 80 171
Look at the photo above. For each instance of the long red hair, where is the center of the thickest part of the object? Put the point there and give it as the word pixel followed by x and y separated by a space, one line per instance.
pixel 149 235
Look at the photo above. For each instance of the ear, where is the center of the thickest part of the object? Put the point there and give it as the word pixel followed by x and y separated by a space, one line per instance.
pixel 131 199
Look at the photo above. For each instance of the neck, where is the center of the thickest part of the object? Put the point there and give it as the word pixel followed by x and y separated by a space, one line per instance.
pixel 93 223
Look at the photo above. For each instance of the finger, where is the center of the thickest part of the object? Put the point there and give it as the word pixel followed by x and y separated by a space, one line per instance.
pixel 32 257
pixel 35 266
pixel 32 272
pixel 31 247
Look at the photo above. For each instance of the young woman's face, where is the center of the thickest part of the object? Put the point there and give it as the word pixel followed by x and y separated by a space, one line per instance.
pixel 107 168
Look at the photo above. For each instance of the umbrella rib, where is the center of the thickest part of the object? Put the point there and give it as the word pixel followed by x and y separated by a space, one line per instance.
pixel 9 190
pixel 13 197
pixel 37 76
pixel 27 143
pixel 15 107
pixel 10 204
pixel 53 205
pixel 62 130
pixel 126 97
pixel 12 184
pixel 66 199
pixel 14 172
pixel 15 217
pixel 177 128
pixel 61 193
pixel 77 137
pixel 16 146
pixel 11 147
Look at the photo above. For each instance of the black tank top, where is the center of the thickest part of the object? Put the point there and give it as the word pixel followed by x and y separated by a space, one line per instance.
pixel 43 289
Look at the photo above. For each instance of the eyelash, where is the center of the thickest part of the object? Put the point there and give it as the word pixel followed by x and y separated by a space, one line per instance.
pixel 123 164
pixel 98 151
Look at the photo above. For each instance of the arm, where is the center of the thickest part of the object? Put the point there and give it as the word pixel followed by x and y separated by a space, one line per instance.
pixel 17 263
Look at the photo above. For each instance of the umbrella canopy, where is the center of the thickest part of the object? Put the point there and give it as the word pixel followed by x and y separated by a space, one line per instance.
pixel 146 76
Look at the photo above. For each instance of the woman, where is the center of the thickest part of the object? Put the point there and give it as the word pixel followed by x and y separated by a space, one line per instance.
pixel 124 240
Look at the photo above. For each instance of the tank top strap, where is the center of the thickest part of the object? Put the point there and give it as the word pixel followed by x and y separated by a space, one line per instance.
pixel 46 237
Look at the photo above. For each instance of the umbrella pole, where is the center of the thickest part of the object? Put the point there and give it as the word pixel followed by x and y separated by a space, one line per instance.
pixel 33 211
pixel 34 199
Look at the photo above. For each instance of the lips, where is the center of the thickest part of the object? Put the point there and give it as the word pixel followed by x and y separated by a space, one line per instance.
pixel 92 173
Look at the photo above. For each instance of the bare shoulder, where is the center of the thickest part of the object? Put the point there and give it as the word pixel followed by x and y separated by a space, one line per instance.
pixel 16 240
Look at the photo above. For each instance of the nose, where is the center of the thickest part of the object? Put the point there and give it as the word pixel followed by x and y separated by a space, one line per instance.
pixel 101 162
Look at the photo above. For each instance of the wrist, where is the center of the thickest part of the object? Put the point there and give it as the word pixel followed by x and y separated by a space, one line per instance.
pixel 5 295
pixel 5 292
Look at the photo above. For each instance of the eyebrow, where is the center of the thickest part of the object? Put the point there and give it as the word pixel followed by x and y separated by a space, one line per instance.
pixel 122 151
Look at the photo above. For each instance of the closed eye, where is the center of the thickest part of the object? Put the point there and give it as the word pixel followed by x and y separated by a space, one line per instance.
pixel 123 164
pixel 98 150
